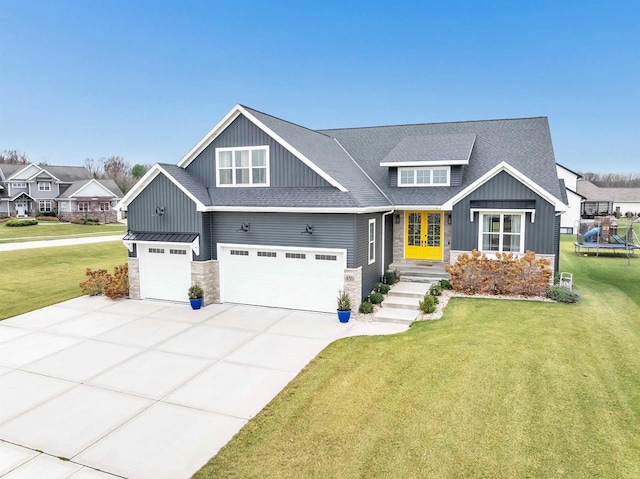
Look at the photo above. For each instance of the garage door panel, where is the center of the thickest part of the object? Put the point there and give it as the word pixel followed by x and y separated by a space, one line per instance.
pixel 307 280
pixel 165 272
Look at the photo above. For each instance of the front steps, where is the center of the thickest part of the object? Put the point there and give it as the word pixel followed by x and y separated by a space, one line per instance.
pixel 420 271
pixel 401 304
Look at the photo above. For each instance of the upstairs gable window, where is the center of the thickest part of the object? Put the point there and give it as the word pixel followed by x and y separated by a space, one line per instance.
pixel 424 176
pixel 247 166
pixel 19 185
pixel 44 186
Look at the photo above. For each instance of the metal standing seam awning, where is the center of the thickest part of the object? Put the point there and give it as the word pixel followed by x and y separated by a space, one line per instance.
pixel 183 239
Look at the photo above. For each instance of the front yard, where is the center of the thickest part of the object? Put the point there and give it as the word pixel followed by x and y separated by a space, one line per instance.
pixel 34 278
pixel 54 230
pixel 496 389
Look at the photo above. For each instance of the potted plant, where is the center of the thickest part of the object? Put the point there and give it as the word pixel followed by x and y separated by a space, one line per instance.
pixel 344 307
pixel 195 296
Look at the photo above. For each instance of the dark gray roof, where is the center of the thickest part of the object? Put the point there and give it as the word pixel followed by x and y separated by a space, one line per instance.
pixel 189 182
pixel 432 148
pixel 66 174
pixel 77 185
pixel 595 193
pixel 329 156
pixel 525 144
pixel 309 197
pixel 10 169
pixel 161 237
pixel 563 192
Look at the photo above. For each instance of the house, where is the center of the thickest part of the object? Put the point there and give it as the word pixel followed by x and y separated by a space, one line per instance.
pixel 574 201
pixel 264 211
pixel 608 201
pixel 29 190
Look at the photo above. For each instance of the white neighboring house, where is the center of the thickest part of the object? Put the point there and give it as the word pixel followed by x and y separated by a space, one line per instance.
pixel 30 190
pixel 574 199
pixel 608 201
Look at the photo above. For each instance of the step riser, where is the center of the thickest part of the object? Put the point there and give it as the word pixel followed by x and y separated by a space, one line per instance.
pixel 394 321
pixel 402 306
pixel 420 279
pixel 405 295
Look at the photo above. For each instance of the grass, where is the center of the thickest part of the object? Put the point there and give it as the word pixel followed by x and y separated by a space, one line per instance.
pixel 496 389
pixel 34 278
pixel 49 231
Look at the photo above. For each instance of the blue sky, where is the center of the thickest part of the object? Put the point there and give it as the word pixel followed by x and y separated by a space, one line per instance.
pixel 147 79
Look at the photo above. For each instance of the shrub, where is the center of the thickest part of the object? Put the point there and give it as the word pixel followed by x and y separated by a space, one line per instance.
pixel 428 304
pixel 94 284
pixel 99 282
pixel 389 277
pixel 562 294
pixel 17 223
pixel 376 298
pixel 445 284
pixel 49 214
pixel 526 276
pixel 366 307
pixel 435 290
pixel 195 291
pixel 382 288
pixel 344 301
pixel 46 218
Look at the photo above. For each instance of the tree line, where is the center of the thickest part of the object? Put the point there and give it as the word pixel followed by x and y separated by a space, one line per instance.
pixel 613 180
pixel 114 168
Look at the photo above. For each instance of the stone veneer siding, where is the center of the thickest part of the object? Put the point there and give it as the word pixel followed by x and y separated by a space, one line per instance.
pixel 110 216
pixel 207 275
pixel 134 278
pixel 353 287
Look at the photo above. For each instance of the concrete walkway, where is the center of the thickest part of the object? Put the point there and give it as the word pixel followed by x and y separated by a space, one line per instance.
pixel 59 242
pixel 145 389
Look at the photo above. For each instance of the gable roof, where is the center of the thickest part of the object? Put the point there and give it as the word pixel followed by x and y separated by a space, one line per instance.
pixel 431 150
pixel 109 186
pixel 65 174
pixel 620 195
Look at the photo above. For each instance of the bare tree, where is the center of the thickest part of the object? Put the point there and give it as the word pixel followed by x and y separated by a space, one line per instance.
pixel 14 157
pixel 613 180
pixel 94 167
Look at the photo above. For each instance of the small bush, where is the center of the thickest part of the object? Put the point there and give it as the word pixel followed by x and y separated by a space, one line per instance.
pixel 17 223
pixel 49 214
pixel 435 290
pixel 382 288
pixel 46 218
pixel 428 304
pixel 389 277
pixel 99 282
pixel 86 221
pixel 445 284
pixel 366 307
pixel 376 298
pixel 562 294
pixel 94 284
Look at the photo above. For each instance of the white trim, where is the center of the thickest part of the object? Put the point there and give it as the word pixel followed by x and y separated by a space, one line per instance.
pixel 228 119
pixel 421 185
pixel 420 207
pixel 74 195
pixel 46 182
pixel 501 234
pixel 23 169
pixel 194 245
pixel 153 172
pixel 425 163
pixel 45 210
pixel 233 149
pixel 504 166
pixel 503 210
pixel 303 209
pixel 43 170
pixel 370 258
pixel 12 185
pixel 383 239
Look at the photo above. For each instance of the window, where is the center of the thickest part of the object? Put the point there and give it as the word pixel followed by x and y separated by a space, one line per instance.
pixel 178 251
pixel 156 250
pixel 19 185
pixel 44 186
pixel 503 232
pixel 372 241
pixel 83 206
pixel 296 255
pixel 423 176
pixel 326 257
pixel 44 205
pixel 267 254
pixel 243 166
pixel 105 206
pixel 238 252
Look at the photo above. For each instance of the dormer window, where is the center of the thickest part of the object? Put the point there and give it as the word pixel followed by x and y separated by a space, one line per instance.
pixel 246 166
pixel 424 176
pixel 44 186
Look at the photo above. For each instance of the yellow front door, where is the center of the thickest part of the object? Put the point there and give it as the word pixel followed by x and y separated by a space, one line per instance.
pixel 423 235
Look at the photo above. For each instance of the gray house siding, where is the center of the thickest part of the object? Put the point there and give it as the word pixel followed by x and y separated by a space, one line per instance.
pixel 285 229
pixel 180 213
pixel 539 236
pixel 556 241
pixel 370 272
pixel 285 169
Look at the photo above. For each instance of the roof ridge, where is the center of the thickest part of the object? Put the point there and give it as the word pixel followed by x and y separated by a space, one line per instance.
pixel 285 121
pixel 434 123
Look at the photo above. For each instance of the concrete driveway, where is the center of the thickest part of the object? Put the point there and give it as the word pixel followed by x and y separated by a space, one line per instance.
pixel 145 389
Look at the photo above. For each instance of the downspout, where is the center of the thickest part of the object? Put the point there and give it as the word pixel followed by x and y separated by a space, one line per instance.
pixel 383 241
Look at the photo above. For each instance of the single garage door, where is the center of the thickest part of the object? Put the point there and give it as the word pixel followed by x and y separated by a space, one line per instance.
pixel 280 277
pixel 165 271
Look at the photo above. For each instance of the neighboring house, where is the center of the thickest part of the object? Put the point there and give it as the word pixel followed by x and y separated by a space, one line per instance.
pixel 264 211
pixel 608 201
pixel 29 190
pixel 574 200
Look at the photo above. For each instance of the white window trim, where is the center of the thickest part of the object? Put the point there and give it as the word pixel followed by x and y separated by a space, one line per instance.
pixel 46 208
pixel 430 169
pixel 233 167
pixel 105 206
pixel 84 203
pixel 520 213
pixel 371 253
pixel 19 185
pixel 42 184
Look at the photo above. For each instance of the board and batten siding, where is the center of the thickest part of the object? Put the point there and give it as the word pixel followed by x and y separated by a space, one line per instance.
pixel 285 170
pixel 180 215
pixel 285 229
pixel 370 272
pixel 540 237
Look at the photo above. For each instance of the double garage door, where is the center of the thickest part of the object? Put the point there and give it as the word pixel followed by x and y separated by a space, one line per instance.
pixel 307 279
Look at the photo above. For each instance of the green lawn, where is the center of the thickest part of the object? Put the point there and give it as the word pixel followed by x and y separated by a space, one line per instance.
pixel 496 389
pixel 33 278
pixel 54 230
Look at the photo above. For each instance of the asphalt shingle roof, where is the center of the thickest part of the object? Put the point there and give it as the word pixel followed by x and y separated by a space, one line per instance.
pixel 596 193
pixel 432 148
pixel 77 185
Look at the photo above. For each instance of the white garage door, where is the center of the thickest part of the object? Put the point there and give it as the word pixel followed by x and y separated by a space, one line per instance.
pixel 165 271
pixel 279 277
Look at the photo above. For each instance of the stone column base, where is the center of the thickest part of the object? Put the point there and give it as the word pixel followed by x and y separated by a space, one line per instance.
pixel 134 278
pixel 353 286
pixel 207 275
